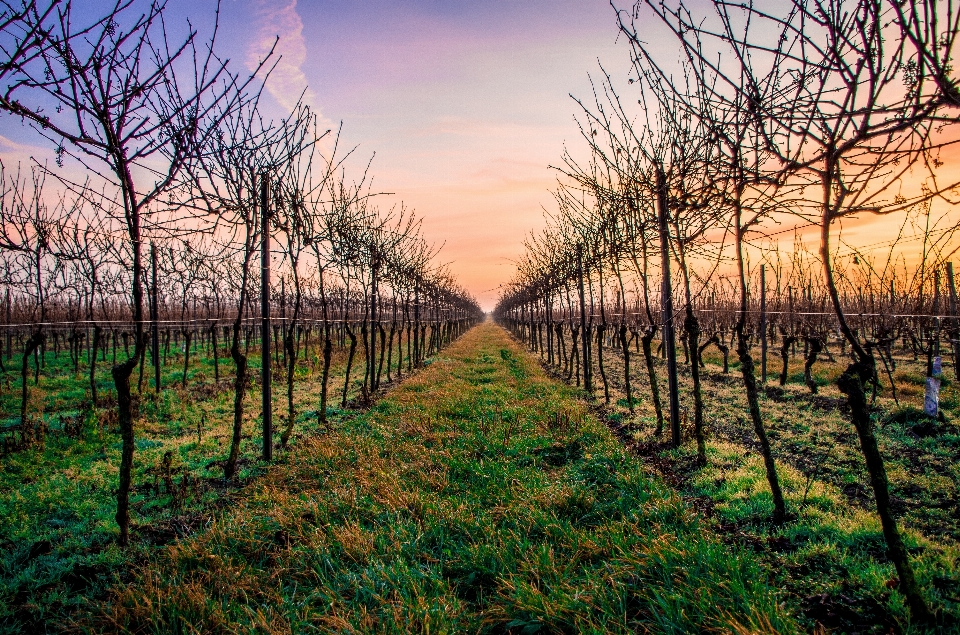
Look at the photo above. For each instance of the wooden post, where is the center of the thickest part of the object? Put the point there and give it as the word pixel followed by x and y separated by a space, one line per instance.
pixel 265 331
pixel 954 326
pixel 416 328
pixel 666 308
pixel 936 312
pixel 374 324
pixel 584 337
pixel 283 319
pixel 763 324
pixel 9 339
pixel 155 319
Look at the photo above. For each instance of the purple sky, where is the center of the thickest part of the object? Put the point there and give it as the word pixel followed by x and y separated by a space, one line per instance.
pixel 466 104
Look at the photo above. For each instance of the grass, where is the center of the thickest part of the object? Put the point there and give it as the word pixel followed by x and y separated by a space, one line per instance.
pixel 478 496
pixel 57 498
pixel 830 561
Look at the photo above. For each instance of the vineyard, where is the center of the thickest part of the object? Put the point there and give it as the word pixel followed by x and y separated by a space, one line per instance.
pixel 240 391
pixel 805 122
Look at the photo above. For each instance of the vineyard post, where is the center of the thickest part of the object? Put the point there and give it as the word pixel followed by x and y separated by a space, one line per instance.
pixel 283 317
pixel 935 344
pixel 154 317
pixel 265 364
pixel 416 327
pixel 954 326
pixel 666 299
pixel 9 343
pixel 763 324
pixel 372 362
pixel 584 336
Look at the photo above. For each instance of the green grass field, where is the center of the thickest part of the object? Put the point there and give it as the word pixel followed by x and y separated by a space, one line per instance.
pixel 831 559
pixel 479 495
pixel 57 498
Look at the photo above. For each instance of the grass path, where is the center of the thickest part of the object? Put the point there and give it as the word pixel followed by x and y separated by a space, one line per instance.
pixel 478 496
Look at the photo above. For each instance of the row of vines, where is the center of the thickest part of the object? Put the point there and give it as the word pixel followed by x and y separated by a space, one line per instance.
pixel 180 216
pixel 764 123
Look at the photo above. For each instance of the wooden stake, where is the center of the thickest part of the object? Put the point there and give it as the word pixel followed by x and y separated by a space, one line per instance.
pixel 954 326
pixel 154 318
pixel 265 330
pixel 666 295
pixel 763 324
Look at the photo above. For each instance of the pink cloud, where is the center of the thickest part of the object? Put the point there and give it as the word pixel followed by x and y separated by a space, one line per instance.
pixel 287 80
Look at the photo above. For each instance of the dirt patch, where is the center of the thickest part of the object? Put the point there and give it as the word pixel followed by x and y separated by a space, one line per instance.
pixel 849 614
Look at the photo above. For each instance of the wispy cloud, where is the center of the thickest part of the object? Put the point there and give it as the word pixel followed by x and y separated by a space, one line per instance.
pixel 13 152
pixel 287 80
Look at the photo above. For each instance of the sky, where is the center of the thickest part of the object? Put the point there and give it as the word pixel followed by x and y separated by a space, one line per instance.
pixel 465 104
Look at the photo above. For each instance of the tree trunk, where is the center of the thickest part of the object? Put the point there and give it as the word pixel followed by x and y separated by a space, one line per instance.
pixel 121 379
pixel 239 389
pixel 692 326
pixel 603 373
pixel 368 365
pixel 753 402
pixel 290 356
pixel 647 343
pixel 814 346
pixel 327 354
pixel 97 331
pixel 585 336
pixel 562 345
pixel 393 330
pixel 625 346
pixel 143 359
pixel 35 341
pixel 187 340
pixel 723 348
pixel 851 383
pixel 788 341
pixel 383 346
pixel 666 295
pixel 216 354
pixel 574 355
pixel 353 350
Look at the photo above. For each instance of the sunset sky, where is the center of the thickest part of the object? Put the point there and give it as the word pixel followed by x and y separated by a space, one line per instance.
pixel 466 104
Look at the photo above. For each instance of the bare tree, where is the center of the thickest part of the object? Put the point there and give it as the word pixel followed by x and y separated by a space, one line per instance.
pixel 857 101
pixel 125 93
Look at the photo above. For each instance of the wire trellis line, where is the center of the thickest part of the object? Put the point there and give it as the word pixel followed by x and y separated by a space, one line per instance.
pixel 205 322
pixel 799 313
